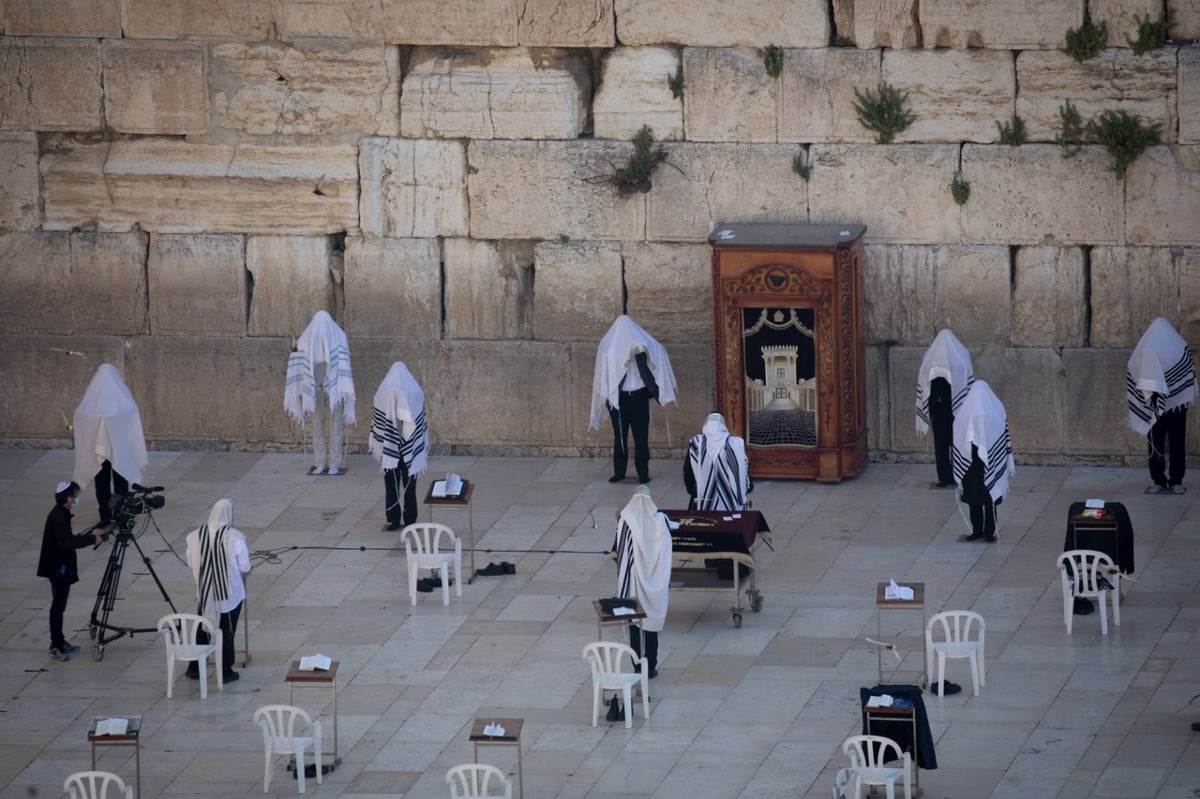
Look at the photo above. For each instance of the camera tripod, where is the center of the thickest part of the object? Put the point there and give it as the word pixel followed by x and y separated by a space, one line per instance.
pixel 107 596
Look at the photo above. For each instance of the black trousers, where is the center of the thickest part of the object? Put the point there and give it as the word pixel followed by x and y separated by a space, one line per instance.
pixel 228 623
pixel 108 482
pixel 633 414
pixel 635 641
pixel 983 519
pixel 59 594
pixel 1168 435
pixel 396 481
pixel 941 421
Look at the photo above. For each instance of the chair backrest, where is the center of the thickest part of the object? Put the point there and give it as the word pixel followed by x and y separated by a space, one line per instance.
pixel 956 626
pixel 179 629
pixel 474 781
pixel 93 784
pixel 427 538
pixel 1086 570
pixel 868 753
pixel 605 659
pixel 278 722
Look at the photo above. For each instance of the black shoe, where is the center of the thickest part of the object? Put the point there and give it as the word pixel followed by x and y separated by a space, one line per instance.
pixel 69 648
pixel 948 688
pixel 653 673
pixel 616 478
pixel 230 676
pixel 425 586
pixel 615 713
pixel 509 568
pixel 58 653
pixel 943 484
pixel 192 674
pixel 1196 726
pixel 989 539
pixel 971 537
pixel 393 527
pixel 491 570
pixel 645 479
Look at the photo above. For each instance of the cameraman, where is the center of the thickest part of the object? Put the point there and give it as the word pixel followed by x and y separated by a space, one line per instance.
pixel 57 562
pixel 217 556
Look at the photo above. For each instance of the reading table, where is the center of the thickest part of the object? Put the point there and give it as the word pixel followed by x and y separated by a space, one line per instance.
pixel 131 737
pixel 312 678
pixel 462 500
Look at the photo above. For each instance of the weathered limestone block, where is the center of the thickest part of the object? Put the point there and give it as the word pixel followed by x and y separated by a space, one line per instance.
pixel 156 87
pixel 816 94
pixel 198 285
pixel 753 23
pixel 177 187
pixel 413 188
pixel 1189 294
pixel 393 288
pixel 35 270
pixel 1130 287
pixel 973 294
pixel 1122 15
pixel 909 187
pixel 1189 91
pixel 729 96
pixel 634 92
pixel 292 280
pixel 1033 195
pixel 1186 14
pixel 1050 302
pixel 332 90
pixel 93 19
pixel 108 275
pixel 878 390
pixel 488 288
pixel 1162 196
pixel 464 23
pixel 554 23
pixel 49 84
pixel 535 190
pixel 899 283
pixel 878 23
pixel 998 24
pixel 668 287
pixel 19 181
pixel 956 95
pixel 1144 86
pixel 199 19
pixel 1032 385
pixel 723 183
pixel 577 290
pixel 1095 411
pixel 903 366
pixel 512 93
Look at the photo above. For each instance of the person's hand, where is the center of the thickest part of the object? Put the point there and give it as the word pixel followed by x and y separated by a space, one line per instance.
pixel 99 539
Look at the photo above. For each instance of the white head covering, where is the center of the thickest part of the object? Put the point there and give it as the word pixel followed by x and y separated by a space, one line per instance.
pixel 322 342
pixel 946 358
pixel 1160 376
pixel 983 422
pixel 108 427
pixel 644 557
pixel 720 466
pixel 616 352
pixel 398 428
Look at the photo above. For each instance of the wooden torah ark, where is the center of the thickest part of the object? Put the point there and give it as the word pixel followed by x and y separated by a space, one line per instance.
pixel 789 346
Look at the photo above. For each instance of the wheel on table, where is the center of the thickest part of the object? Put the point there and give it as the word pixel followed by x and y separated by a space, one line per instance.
pixel 756 601
pixel 98 651
pixel 737 620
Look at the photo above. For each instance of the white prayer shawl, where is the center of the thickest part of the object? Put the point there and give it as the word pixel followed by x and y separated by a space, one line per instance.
pixel 322 342
pixel 983 422
pixel 623 341
pixel 398 428
pixel 720 466
pixel 217 556
pixel 108 427
pixel 644 557
pixel 946 358
pixel 1160 376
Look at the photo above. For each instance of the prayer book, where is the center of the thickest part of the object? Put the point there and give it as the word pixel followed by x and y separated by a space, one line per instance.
pixel 315 663
pixel 451 487
pixel 115 726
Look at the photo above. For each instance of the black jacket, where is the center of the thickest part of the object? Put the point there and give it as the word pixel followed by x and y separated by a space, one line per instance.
pixel 57 561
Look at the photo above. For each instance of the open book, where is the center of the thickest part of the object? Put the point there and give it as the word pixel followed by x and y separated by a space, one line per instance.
pixel 113 726
pixel 451 487
pixel 315 663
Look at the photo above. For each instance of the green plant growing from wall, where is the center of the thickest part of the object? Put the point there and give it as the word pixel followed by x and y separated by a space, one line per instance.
pixel 960 189
pixel 843 41
pixel 773 60
pixel 676 83
pixel 1071 133
pixel 1124 136
pixel 883 111
pixel 1151 35
pixel 634 177
pixel 1013 133
pixel 801 166
pixel 1086 41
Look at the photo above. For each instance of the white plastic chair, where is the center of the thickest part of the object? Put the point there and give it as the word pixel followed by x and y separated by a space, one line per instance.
pixel 1091 574
pixel 423 544
pixel 868 754
pixel 95 785
pixel 962 636
pixel 605 659
pixel 278 724
pixel 179 634
pixel 473 781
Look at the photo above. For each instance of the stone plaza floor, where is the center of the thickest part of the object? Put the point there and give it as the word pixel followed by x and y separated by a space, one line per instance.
pixel 759 711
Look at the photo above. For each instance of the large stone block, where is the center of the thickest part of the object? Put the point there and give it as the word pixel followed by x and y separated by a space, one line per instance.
pixel 729 96
pixel 723 183
pixel 1186 15
pixel 753 23
pixel 177 187
pixel 1096 412
pixel 93 19
pixel 393 288
pixel 198 285
pixel 1032 385
pixel 158 87
pixel 35 270
pixel 1162 196
pixel 1130 287
pixel 553 23
pixel 973 296
pixel 878 23
pixel 50 84
pixel 512 93
pixel 1189 295
pixel 1050 302
pixel 199 19
pixel 577 290
pixel 292 279
pixel 464 23
pixel 903 365
pixel 1122 18
pixel 878 395
pixel 1033 195
pixel 1144 86
pixel 335 90
pixel 634 92
pixel 108 276
pixel 19 203
pixel 998 24
pixel 909 187
pixel 956 95
pixel 488 289
pixel 816 94
pixel 536 190
pixel 1189 91
pixel 413 188
pixel 668 288
pixel 894 271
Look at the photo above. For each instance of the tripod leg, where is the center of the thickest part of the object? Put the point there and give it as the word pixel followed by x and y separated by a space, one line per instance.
pixel 107 594
pixel 158 582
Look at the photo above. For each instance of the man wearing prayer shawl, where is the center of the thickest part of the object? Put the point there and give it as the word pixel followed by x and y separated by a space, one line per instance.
pixel 716 471
pixel 643 548
pixel 1160 384
pixel 983 458
pixel 943 381
pixel 109 443
pixel 632 368
pixel 399 440
pixel 320 384
pixel 58 564
pixel 217 556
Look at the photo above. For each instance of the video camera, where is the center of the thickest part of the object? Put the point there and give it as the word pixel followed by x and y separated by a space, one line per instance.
pixel 127 507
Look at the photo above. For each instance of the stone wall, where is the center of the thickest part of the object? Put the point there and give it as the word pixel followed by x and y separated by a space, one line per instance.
pixel 183 183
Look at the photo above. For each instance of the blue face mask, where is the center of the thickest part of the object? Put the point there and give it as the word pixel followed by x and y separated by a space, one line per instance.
pixel 74 503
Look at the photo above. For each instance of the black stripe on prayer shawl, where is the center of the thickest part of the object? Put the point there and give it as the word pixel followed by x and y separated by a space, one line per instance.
pixel 214 567
pixel 625 561
pixel 1137 403
pixel 955 402
pixel 337 368
pixel 1181 376
pixel 721 487
pixel 395 445
pixel 998 454
pixel 961 395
